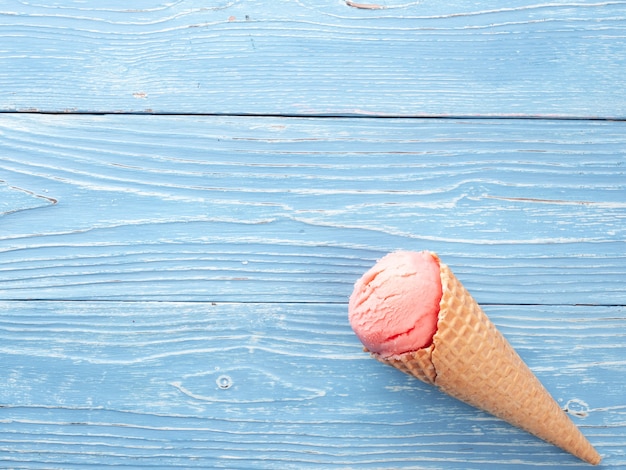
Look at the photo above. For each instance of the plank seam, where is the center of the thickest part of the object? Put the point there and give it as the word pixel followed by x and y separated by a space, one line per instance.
pixel 505 117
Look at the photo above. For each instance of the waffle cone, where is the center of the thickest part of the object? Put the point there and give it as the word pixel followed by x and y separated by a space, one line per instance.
pixel 470 360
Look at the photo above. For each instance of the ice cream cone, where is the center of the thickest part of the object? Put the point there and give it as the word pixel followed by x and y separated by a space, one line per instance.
pixel 470 360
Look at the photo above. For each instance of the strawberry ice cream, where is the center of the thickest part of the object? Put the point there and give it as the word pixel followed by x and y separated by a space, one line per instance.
pixel 395 305
pixel 411 312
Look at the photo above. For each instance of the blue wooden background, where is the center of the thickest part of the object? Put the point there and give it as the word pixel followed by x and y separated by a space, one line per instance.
pixel 188 191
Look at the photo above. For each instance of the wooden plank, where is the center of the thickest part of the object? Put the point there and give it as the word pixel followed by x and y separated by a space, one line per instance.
pixel 202 385
pixel 283 210
pixel 316 58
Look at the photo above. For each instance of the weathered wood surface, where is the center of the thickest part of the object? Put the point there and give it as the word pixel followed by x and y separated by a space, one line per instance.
pixel 244 385
pixel 247 209
pixel 174 289
pixel 315 58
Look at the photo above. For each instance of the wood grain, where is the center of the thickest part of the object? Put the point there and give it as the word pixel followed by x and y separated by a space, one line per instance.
pixel 245 385
pixel 174 283
pixel 283 210
pixel 14 199
pixel 315 58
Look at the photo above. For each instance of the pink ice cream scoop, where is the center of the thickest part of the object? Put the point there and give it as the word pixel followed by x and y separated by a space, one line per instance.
pixel 395 305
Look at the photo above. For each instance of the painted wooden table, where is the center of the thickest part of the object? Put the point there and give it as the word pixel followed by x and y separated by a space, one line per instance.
pixel 190 189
